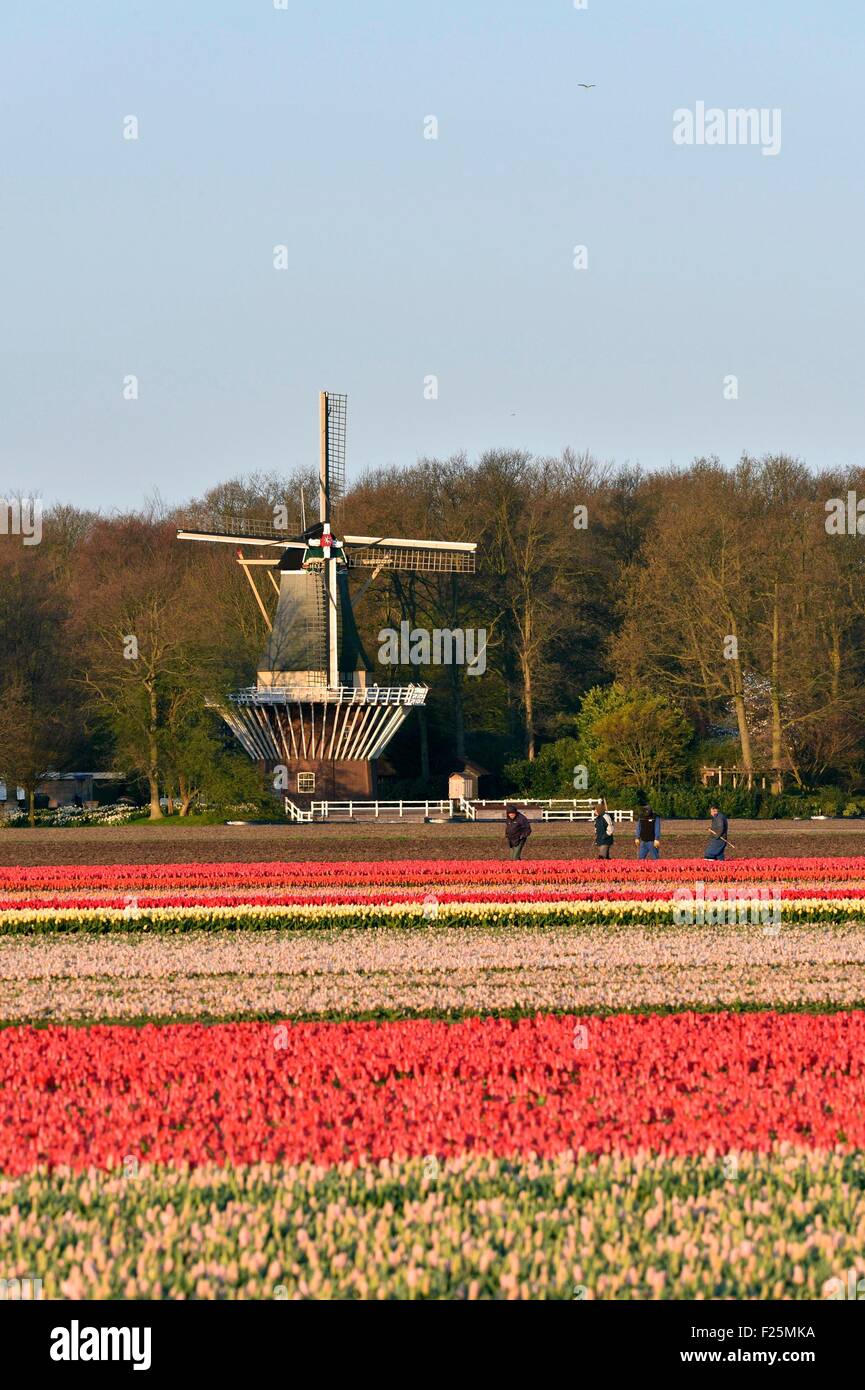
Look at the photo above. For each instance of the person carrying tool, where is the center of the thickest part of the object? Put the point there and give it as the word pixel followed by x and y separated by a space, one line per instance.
pixel 718 841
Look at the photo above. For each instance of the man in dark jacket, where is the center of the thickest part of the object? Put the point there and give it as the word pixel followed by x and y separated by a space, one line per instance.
pixel 648 836
pixel 718 826
pixel 517 831
pixel 603 830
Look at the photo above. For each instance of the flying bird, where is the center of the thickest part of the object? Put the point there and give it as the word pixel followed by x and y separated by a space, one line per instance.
pixel 588 85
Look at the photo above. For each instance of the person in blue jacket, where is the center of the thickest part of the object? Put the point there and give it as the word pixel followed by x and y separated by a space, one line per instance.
pixel 718 842
pixel 648 836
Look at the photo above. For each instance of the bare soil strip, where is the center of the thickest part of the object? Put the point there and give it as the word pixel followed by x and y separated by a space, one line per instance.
pixel 173 843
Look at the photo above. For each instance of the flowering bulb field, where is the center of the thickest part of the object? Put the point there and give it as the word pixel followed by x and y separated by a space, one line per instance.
pixel 433 1079
pixel 420 872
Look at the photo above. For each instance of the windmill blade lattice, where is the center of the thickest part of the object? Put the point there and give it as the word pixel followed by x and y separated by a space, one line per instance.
pixel 397 557
pixel 236 530
pixel 336 405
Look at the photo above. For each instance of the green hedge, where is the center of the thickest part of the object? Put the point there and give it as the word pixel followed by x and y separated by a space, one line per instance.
pixel 680 801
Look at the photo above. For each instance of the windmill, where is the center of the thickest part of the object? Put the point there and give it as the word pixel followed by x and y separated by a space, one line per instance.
pixel 315 708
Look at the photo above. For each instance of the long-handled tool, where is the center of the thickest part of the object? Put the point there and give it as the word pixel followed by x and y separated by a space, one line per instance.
pixel 727 842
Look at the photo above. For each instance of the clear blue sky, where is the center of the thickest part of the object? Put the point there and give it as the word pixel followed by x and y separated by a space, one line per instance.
pixel 408 256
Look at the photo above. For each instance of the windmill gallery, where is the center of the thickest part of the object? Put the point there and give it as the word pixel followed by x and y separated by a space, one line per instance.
pixel 314 708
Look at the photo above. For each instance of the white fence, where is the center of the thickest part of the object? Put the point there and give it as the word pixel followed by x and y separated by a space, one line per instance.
pixel 443 808
pixel 371 810
pixel 551 808
pixel 322 694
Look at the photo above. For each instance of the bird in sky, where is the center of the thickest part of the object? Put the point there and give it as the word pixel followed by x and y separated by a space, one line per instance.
pixel 587 85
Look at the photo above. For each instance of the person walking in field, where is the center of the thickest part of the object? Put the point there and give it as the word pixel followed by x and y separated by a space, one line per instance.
pixel 603 830
pixel 648 836
pixel 517 831
pixel 718 826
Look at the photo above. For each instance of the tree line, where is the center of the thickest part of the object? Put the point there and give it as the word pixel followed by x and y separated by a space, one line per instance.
pixel 700 614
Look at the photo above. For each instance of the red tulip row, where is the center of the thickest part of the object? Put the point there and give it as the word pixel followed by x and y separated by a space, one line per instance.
pixel 420 872
pixel 246 1093
pixel 394 897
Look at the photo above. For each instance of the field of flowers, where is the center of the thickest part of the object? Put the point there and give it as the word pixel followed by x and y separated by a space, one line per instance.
pixel 468 1079
pixel 421 872
pixel 783 1225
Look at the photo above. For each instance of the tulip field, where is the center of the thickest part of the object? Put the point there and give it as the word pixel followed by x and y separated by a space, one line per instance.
pixel 433 1079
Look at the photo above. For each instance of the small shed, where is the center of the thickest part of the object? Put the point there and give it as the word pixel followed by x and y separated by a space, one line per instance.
pixel 464 782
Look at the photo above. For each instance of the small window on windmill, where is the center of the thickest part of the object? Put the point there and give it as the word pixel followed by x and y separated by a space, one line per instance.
pixel 306 781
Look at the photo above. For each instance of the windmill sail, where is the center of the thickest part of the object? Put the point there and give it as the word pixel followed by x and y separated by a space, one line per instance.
pixel 233 530
pixel 443 557
pixel 333 408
